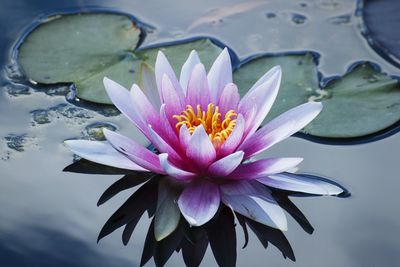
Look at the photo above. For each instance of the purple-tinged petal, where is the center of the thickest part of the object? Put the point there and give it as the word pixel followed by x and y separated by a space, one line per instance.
pixel 263 96
pixel 134 151
pixel 264 78
pixel 102 153
pixel 280 128
pixel 293 182
pixel 226 165
pixel 174 105
pixel 144 109
pixel 184 136
pixel 147 82
pixel 173 170
pixel 164 68
pixel 199 202
pixel 264 167
pixel 219 75
pixel 162 146
pixel 229 99
pixel 234 139
pixel 187 69
pixel 120 97
pixel 254 202
pixel 198 92
pixel 200 149
pixel 169 132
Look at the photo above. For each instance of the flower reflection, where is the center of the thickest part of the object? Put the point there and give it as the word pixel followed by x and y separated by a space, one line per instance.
pixel 156 191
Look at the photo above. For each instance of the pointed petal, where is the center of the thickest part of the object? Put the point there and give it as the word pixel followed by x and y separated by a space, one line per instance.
pixel 200 150
pixel 229 99
pixel 174 171
pixel 174 105
pixel 163 67
pixel 167 215
pixel 199 202
pixel 120 97
pixel 144 109
pixel 187 69
pixel 264 167
pixel 198 92
pixel 255 203
pixel 280 128
pixel 220 74
pixel 226 165
pixel 162 146
pixel 147 82
pixel 297 183
pixel 184 136
pixel 234 139
pixel 263 96
pixel 102 153
pixel 169 132
pixel 135 152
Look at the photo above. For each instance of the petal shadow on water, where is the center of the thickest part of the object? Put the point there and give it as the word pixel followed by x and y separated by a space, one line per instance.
pixel 192 241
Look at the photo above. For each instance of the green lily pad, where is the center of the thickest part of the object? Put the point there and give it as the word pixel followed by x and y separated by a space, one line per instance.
pixel 77 48
pixel 299 79
pixel 84 48
pixel 362 102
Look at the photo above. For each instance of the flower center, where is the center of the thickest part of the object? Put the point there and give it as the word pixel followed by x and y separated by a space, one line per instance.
pixel 218 129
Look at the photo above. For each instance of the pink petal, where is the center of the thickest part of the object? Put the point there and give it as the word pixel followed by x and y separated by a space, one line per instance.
pixel 226 165
pixel 254 202
pixel 234 139
pixel 229 99
pixel 280 128
pixel 162 68
pixel 263 96
pixel 147 82
pixel 187 69
pixel 135 152
pixel 174 105
pixel 162 146
pixel 120 97
pixel 219 75
pixel 264 167
pixel 102 153
pixel 198 92
pixel 184 136
pixel 173 170
pixel 199 202
pixel 296 183
pixel 200 149
pixel 169 132
pixel 143 108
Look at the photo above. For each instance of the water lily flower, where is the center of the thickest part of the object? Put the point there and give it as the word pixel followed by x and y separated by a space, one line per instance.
pixel 206 138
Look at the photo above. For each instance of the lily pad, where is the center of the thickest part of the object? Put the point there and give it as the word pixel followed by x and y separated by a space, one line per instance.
pixel 83 48
pixel 362 102
pixel 76 48
pixel 299 79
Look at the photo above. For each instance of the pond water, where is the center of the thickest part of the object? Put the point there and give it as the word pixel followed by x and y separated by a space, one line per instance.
pixel 50 218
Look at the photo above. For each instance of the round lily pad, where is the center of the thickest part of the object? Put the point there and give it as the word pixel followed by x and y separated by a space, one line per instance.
pixel 81 48
pixel 299 79
pixel 362 102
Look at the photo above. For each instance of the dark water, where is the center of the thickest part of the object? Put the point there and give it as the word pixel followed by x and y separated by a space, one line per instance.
pixel 50 218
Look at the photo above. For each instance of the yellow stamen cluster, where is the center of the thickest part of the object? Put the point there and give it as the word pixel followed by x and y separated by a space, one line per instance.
pixel 217 129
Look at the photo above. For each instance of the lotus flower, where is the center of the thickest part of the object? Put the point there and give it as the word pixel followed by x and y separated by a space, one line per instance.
pixel 207 138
